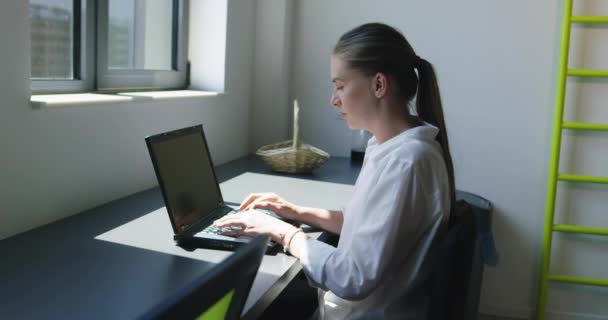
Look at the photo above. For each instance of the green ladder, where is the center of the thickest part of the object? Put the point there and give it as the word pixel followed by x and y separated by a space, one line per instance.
pixel 554 176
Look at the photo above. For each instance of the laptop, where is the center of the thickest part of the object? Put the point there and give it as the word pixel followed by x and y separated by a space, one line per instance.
pixel 220 293
pixel 190 189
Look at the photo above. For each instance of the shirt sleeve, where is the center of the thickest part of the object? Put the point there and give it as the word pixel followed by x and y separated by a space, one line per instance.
pixel 389 216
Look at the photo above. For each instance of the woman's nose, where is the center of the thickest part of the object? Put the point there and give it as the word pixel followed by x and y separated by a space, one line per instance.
pixel 334 101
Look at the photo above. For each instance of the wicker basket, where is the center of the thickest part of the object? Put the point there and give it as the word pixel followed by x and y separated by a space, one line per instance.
pixel 291 156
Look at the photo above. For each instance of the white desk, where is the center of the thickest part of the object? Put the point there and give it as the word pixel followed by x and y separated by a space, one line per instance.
pixel 153 231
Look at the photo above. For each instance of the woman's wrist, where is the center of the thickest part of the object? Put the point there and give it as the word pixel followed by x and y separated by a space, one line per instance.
pixel 297 212
pixel 330 220
pixel 283 234
pixel 297 243
pixel 288 239
pixel 305 215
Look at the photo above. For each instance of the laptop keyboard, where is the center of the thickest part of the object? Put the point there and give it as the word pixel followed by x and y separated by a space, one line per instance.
pixel 212 230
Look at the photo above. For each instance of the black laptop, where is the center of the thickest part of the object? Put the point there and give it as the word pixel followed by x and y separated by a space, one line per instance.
pixel 190 189
pixel 220 293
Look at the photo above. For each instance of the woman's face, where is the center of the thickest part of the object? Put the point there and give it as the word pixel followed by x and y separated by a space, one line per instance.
pixel 352 94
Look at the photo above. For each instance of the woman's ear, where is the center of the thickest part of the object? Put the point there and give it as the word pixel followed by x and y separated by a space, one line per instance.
pixel 380 85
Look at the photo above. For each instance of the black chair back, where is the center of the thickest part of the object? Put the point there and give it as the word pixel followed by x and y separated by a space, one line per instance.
pixel 452 266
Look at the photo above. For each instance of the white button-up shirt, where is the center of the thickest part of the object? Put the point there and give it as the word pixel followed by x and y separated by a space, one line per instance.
pixel 401 202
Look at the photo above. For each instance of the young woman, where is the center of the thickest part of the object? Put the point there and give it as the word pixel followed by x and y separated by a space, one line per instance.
pixel 403 195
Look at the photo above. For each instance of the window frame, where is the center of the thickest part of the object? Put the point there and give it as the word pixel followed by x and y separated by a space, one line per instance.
pixel 83 55
pixel 90 71
pixel 117 80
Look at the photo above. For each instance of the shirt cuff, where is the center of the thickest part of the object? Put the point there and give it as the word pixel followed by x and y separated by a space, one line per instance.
pixel 313 260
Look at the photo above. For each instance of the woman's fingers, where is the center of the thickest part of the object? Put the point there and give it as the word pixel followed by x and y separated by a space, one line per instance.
pixel 237 225
pixel 267 199
pixel 262 204
pixel 281 208
pixel 250 198
pixel 233 233
pixel 254 197
pixel 230 221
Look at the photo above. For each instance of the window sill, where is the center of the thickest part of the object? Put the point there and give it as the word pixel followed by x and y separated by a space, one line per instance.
pixel 86 99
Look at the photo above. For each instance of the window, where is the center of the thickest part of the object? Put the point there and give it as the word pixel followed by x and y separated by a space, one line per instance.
pixel 140 45
pixel 60 44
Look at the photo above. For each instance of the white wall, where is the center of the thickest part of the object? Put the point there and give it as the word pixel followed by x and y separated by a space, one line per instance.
pixel 271 71
pixel 496 62
pixel 58 162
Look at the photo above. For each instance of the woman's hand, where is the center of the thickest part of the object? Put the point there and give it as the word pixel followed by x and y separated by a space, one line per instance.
pixel 253 223
pixel 273 202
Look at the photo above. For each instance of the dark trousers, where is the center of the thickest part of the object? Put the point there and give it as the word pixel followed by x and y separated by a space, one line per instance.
pixel 299 300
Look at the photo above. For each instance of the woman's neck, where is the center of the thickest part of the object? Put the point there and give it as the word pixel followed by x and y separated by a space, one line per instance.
pixel 391 124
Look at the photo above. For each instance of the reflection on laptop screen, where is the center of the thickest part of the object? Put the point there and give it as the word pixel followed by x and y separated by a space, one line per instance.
pixel 190 186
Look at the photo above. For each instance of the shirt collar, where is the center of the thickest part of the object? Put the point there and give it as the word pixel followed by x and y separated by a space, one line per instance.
pixel 426 132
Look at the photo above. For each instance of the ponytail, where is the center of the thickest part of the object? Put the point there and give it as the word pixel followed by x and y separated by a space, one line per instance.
pixel 429 109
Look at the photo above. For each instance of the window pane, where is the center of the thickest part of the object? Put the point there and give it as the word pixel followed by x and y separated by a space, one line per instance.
pixel 140 34
pixel 51 39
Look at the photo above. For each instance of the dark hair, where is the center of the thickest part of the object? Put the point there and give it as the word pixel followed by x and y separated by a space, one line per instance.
pixel 375 47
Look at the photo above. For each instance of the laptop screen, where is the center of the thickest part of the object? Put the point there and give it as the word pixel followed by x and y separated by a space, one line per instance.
pixel 185 172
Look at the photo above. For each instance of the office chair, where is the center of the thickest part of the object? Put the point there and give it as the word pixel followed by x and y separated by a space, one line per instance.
pixel 450 296
pixel 220 293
